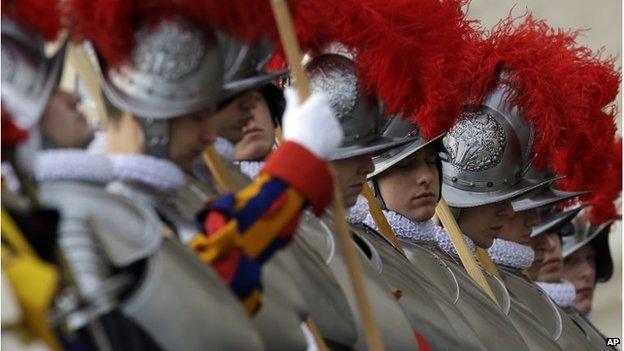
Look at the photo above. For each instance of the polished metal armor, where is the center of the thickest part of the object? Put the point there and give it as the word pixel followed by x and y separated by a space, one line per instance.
pixel 28 77
pixel 488 154
pixel 398 127
pixel 545 196
pixel 430 310
pixel 359 114
pixel 396 330
pixel 244 67
pixel 594 337
pixel 553 219
pixel 583 233
pixel 547 313
pixel 483 315
pixel 174 298
pixel 283 308
pixel 174 70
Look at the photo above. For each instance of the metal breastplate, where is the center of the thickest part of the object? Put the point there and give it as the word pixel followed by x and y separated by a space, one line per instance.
pixel 314 247
pixel 526 323
pixel 185 306
pixel 283 307
pixel 396 331
pixel 593 336
pixel 175 298
pixel 489 321
pixel 428 309
pixel 534 335
pixel 546 312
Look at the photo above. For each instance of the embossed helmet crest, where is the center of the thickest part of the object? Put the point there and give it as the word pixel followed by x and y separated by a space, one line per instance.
pixel 476 142
pixel 487 155
pixel 169 52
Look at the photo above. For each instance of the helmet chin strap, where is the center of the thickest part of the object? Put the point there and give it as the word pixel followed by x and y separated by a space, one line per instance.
pixel 377 193
pixel 157 139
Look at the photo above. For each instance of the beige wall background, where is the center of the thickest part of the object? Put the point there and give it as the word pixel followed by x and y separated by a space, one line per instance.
pixel 603 21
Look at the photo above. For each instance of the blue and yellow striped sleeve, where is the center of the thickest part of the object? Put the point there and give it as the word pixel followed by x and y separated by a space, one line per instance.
pixel 244 229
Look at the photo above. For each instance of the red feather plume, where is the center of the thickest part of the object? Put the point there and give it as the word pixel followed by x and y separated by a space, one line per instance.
pixel 44 17
pixel 410 53
pixel 111 24
pixel 565 91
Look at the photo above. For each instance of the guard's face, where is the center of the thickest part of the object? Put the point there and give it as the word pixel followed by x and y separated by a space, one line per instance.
pixel 580 269
pixel 548 263
pixel 484 223
pixel 189 135
pixel 412 186
pixel 351 175
pixel 232 118
pixel 518 228
pixel 63 123
pixel 259 132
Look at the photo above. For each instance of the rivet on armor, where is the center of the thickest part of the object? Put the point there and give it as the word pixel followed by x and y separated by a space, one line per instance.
pixel 454 179
pixel 490 184
pixel 398 293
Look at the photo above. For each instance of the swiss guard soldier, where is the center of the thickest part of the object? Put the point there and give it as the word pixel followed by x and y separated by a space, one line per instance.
pixel 547 266
pixel 489 149
pixel 586 261
pixel 361 119
pixel 126 284
pixel 248 86
pixel 30 274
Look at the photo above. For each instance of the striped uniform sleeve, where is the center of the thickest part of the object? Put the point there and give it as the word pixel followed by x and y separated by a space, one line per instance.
pixel 244 229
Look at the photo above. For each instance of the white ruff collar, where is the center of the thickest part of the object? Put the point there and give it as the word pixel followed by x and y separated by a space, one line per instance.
pixel 511 254
pixel 422 232
pixel 445 244
pixel 156 173
pixel 358 212
pixel 562 294
pixel 250 168
pixel 225 149
pixel 73 165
